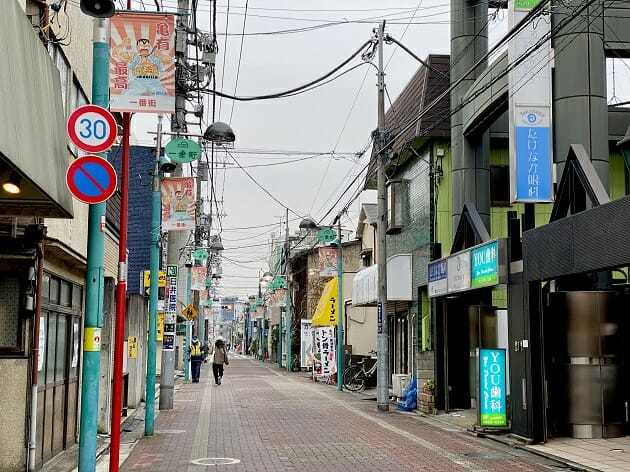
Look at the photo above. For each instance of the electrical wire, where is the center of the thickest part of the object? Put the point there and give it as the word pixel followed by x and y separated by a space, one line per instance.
pixel 298 88
pixel 261 187
pixel 227 25
pixel 240 56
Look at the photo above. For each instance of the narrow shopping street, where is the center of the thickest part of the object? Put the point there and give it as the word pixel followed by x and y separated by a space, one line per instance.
pixel 261 419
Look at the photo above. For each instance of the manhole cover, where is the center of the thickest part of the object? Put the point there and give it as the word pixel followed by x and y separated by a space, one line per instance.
pixel 212 461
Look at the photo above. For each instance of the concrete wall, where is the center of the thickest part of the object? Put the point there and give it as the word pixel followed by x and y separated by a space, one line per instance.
pixel 13 395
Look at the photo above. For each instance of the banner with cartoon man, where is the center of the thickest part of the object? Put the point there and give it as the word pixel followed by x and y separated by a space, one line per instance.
pixel 142 63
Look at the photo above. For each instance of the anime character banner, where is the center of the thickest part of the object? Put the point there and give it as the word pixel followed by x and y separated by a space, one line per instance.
pixel 142 63
pixel 178 204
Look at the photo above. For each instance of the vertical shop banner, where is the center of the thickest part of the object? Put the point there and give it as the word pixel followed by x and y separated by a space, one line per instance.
pixel 198 276
pixel 306 343
pixel 492 388
pixel 531 152
pixel 178 204
pixel 142 63
pixel 327 262
pixel 327 352
pixel 458 272
pixel 171 303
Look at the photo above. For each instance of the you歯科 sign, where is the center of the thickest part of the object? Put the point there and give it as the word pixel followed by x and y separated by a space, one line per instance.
pixel 492 388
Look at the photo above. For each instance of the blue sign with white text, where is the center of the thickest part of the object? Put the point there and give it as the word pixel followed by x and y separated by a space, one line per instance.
pixel 492 385
pixel 534 182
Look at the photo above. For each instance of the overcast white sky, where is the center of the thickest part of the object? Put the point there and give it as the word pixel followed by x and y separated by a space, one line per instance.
pixel 312 122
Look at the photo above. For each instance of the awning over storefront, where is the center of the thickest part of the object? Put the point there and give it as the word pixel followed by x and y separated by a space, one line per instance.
pixel 327 307
pixel 33 143
pixel 365 287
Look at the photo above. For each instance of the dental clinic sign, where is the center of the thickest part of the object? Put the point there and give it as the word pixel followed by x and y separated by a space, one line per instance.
pixel 485 265
pixel 492 388
pixel 476 267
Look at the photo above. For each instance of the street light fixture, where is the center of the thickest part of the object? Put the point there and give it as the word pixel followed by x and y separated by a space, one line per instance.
pixel 219 133
pixel 308 223
pixel 12 184
pixel 267 277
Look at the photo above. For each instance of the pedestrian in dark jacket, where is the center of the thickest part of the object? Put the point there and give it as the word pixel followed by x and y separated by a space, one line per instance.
pixel 195 351
pixel 219 358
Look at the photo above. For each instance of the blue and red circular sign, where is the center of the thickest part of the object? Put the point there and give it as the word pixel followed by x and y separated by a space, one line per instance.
pixel 92 128
pixel 91 179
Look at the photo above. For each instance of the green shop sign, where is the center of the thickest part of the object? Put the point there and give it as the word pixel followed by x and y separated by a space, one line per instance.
pixel 326 235
pixel 525 4
pixel 200 254
pixel 485 265
pixel 182 150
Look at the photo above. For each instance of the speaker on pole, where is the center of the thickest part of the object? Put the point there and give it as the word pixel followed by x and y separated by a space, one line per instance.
pixel 98 8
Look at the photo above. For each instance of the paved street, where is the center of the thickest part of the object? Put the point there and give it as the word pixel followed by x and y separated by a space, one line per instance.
pixel 260 419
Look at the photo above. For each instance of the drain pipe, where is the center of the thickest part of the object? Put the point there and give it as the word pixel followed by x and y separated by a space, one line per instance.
pixel 32 442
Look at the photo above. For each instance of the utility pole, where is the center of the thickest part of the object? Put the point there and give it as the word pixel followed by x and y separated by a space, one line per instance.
pixel 95 271
pixel 177 239
pixel 340 309
pixel 382 336
pixel 188 323
pixel 288 308
pixel 202 174
pixel 167 372
pixel 156 210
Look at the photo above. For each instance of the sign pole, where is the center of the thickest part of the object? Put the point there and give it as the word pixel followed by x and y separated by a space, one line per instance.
pixel 121 301
pixel 156 209
pixel 95 271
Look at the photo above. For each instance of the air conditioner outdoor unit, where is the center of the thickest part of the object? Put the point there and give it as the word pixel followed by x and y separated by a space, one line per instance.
pixel 399 382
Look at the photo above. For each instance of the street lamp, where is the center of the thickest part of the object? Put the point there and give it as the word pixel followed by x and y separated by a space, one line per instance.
pixel 267 277
pixel 309 224
pixel 219 133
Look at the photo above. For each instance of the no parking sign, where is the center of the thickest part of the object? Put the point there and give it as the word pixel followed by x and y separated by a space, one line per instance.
pixel 91 179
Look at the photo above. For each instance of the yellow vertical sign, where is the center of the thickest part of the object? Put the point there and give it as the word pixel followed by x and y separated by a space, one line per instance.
pixel 160 326
pixel 132 347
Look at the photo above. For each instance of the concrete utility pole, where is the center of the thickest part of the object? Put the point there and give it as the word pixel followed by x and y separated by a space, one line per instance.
pixel 288 309
pixel 382 336
pixel 340 307
pixel 177 239
pixel 167 372
pixel 95 272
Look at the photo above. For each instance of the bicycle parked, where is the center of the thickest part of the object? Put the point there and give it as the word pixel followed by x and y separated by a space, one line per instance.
pixel 356 376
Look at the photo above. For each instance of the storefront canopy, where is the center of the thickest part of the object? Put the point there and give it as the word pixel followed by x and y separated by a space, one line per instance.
pixel 33 142
pixel 328 306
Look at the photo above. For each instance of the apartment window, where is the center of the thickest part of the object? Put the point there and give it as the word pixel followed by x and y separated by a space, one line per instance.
pixel 366 257
pixel 395 205
pixel 500 185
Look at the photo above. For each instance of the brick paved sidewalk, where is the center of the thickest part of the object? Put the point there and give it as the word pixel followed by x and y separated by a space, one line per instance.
pixel 265 420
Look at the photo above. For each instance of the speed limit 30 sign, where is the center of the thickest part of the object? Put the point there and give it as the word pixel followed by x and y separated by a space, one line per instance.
pixel 92 128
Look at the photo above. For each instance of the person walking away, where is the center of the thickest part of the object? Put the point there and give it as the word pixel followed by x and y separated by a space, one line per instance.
pixel 219 358
pixel 196 358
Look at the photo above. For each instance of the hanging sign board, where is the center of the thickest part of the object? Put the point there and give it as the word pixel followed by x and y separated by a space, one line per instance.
pixel 326 235
pixel 492 388
pixel 178 204
pixel 142 63
pixel 182 150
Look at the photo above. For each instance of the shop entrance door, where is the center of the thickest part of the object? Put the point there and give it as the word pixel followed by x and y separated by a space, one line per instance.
pixel 466 328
